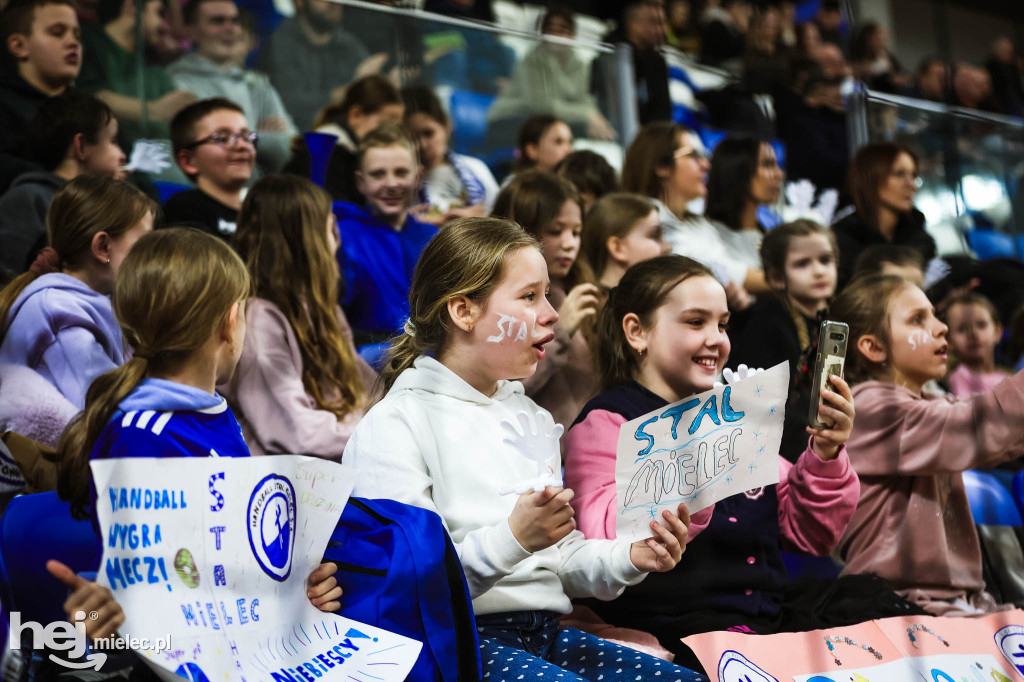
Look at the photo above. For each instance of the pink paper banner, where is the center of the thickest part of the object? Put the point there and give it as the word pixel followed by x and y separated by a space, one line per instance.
pixel 903 649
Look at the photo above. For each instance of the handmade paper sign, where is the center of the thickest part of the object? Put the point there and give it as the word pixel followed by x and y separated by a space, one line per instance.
pixel 700 450
pixel 900 649
pixel 212 554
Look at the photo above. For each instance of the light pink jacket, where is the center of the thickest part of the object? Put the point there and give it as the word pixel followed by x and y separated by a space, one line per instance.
pixel 267 395
pixel 913 526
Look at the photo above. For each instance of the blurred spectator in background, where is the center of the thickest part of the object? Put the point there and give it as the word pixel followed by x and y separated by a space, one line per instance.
pixel 723 34
pixel 398 35
pixel 972 88
pixel 592 175
pixel 311 58
pixel 766 64
pixel 830 24
pixel 681 26
pixel 1007 82
pixel 931 80
pixel 211 70
pixel 812 123
pixel 808 40
pixel 472 59
pixel 643 27
pixel 110 71
pixel 552 79
pixel 787 24
pixel 874 63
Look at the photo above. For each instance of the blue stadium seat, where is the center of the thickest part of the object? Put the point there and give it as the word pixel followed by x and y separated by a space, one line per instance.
pixel 711 137
pixel 991 503
pixel 167 190
pixel 33 530
pixel 469 119
pixel 990 244
pixel 375 354
pixel 1018 491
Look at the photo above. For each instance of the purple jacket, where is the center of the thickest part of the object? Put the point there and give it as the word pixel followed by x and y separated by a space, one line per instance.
pixel 65 331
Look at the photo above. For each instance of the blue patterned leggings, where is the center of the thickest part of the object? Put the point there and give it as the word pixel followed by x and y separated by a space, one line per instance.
pixel 529 645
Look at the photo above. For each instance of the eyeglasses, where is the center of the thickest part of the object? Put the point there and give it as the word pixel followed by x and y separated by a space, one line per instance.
pixel 223 138
pixel 686 151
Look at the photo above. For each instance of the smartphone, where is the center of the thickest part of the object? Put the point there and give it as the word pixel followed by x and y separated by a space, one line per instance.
pixel 830 360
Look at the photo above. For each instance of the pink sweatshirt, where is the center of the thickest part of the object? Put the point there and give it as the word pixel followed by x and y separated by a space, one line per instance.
pixel 267 395
pixel 913 526
pixel 963 382
pixel 816 498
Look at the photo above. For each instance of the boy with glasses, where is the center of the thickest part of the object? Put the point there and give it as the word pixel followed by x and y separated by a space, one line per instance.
pixel 214 146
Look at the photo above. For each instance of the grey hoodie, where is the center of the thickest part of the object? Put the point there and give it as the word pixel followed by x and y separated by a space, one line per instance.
pixel 23 217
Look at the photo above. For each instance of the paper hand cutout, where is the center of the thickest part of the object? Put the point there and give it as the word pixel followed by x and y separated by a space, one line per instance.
pixel 149 156
pixel 742 372
pixel 935 272
pixel 536 438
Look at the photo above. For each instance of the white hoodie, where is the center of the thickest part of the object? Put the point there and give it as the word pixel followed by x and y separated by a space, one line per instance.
pixel 436 442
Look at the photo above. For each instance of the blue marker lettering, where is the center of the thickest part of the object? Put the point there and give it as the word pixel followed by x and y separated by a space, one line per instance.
pixel 727 413
pixel 643 435
pixel 710 408
pixel 677 412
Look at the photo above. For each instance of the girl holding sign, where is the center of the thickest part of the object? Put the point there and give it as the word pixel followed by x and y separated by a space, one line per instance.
pixel 913 527
pixel 663 338
pixel 180 299
pixel 455 434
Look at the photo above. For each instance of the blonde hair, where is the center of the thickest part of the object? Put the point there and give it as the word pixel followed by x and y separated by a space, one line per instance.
pixel 864 305
pixel 171 295
pixel 385 135
pixel 613 215
pixel 83 208
pixel 282 238
pixel 775 251
pixel 466 258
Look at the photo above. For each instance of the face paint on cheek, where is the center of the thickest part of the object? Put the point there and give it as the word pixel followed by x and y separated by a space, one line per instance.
pixel 508 327
pixel 919 337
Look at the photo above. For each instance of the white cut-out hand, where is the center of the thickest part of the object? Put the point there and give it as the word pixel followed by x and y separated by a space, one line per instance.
pixel 535 438
pixel 742 372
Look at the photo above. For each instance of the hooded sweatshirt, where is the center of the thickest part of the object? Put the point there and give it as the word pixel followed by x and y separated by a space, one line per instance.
pixel 913 527
pixel 18 104
pixel 436 442
pixel 65 331
pixel 23 216
pixel 163 418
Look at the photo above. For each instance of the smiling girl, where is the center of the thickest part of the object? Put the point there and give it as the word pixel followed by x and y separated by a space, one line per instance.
pixel 913 527
pixel 381 241
pixel 454 429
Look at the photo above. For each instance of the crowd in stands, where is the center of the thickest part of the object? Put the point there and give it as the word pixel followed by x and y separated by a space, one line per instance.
pixel 394 302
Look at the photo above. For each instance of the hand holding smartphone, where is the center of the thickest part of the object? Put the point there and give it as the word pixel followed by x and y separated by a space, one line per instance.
pixel 830 360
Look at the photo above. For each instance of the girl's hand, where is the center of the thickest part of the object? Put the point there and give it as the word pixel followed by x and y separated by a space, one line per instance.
pixel 836 406
pixel 579 304
pixel 88 597
pixel 324 592
pixel 539 520
pixel 662 552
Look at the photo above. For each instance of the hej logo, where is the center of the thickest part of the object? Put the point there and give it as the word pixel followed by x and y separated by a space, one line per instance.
pixel 58 636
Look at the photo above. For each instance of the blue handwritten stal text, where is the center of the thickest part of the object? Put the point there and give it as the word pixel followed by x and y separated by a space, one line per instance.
pixel 675 413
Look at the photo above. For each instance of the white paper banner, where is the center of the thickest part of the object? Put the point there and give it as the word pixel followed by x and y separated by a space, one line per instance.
pixel 213 554
pixel 942 668
pixel 700 450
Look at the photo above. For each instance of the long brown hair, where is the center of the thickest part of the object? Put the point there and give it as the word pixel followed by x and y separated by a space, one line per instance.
pixel 466 258
pixel 171 295
pixel 864 305
pixel 613 215
pixel 641 291
pixel 282 238
pixel 654 147
pixel 83 208
pixel 533 199
pixel 869 170
pixel 775 250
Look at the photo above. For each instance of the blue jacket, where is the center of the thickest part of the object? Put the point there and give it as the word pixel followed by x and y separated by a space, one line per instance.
pixel 377 263
pixel 65 331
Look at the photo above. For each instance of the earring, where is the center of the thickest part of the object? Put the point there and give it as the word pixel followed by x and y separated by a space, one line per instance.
pixel 470 329
pixel 642 350
pixel 108 261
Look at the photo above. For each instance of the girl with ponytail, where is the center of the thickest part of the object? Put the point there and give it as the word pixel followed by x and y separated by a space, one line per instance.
pixel 456 435
pixel 180 300
pixel 800 264
pixel 56 318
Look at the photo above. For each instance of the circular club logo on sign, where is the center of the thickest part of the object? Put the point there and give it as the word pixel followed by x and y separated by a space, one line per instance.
pixel 1010 641
pixel 271 522
pixel 735 667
